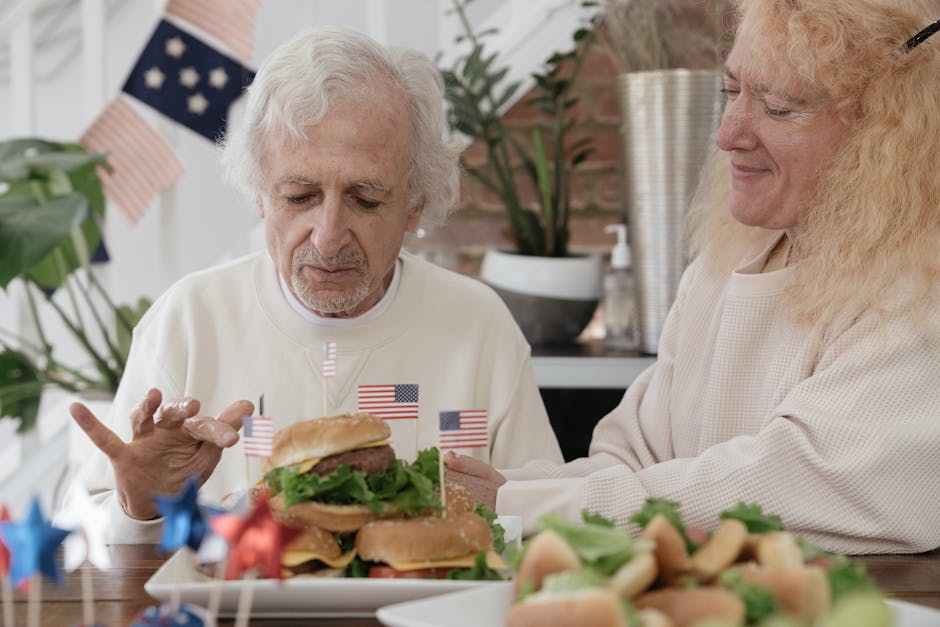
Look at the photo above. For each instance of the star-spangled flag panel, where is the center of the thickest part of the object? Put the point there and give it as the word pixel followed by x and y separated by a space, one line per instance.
pixel 390 402
pixel 466 428
pixel 258 435
pixel 187 80
pixel 140 162
pixel 232 22
pixel 329 359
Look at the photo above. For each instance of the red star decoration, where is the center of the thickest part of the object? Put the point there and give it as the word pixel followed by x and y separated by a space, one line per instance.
pixel 4 552
pixel 256 542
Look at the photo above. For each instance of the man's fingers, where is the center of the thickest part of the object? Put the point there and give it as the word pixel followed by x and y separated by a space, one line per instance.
pixel 233 414
pixel 208 429
pixel 102 437
pixel 174 413
pixel 142 416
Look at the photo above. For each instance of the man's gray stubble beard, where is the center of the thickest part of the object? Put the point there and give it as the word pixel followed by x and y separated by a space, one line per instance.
pixel 331 303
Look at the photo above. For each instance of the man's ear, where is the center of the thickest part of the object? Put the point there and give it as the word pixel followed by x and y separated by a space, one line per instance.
pixel 414 217
pixel 259 205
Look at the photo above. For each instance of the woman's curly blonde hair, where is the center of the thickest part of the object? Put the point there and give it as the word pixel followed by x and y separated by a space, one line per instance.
pixel 872 226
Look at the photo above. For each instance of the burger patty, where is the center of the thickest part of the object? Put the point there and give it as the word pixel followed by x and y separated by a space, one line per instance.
pixel 373 461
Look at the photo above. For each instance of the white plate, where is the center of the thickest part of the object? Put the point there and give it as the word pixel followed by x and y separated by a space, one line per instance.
pixel 304 596
pixel 488 606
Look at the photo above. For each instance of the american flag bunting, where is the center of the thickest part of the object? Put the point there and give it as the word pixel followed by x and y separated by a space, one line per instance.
pixel 390 402
pixel 466 428
pixel 232 22
pixel 187 80
pixel 141 163
pixel 258 435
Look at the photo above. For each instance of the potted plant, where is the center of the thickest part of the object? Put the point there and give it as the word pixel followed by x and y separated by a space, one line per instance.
pixel 668 52
pixel 51 206
pixel 551 293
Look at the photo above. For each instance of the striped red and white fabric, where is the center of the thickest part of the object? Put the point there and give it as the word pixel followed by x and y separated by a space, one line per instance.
pixel 141 162
pixel 232 22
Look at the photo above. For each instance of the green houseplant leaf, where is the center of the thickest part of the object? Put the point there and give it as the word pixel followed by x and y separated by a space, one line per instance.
pixel 51 206
pixel 20 388
pixel 476 94
pixel 29 232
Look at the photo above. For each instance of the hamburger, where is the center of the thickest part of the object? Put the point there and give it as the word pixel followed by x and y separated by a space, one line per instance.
pixel 339 473
pixel 454 546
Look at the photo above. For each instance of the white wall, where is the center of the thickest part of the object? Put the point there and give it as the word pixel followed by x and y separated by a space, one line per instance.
pixel 202 220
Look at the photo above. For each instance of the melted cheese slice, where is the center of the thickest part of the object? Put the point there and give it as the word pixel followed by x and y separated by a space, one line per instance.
pixel 307 464
pixel 295 558
pixel 493 560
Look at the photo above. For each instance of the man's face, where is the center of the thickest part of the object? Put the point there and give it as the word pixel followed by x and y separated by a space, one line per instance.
pixel 335 205
pixel 779 138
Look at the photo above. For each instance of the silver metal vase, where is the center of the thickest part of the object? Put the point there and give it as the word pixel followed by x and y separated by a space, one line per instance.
pixel 669 118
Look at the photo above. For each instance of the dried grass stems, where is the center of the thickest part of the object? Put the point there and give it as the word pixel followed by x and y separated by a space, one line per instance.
pixel 661 34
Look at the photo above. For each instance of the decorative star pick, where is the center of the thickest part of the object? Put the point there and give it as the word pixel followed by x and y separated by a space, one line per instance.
pixel 4 552
pixel 32 544
pixel 82 515
pixel 256 541
pixel 214 547
pixel 184 522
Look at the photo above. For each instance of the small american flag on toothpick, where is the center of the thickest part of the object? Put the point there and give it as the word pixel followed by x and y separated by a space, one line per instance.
pixel 329 359
pixel 258 433
pixel 465 428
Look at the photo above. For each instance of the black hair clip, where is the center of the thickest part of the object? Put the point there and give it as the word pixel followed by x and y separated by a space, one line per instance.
pixel 920 37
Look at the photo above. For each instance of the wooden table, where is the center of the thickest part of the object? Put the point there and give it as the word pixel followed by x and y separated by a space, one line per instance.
pixel 119 592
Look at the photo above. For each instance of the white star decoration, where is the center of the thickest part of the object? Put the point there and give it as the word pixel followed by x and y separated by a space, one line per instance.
pixel 90 524
pixel 197 103
pixel 189 77
pixel 218 77
pixel 175 47
pixel 154 78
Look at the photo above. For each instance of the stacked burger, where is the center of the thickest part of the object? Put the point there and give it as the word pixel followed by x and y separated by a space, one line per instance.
pixel 366 513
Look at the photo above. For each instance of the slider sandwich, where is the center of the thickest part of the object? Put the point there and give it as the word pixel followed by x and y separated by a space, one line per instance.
pixel 454 546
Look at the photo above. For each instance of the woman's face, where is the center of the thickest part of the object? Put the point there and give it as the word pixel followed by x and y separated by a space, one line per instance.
pixel 779 138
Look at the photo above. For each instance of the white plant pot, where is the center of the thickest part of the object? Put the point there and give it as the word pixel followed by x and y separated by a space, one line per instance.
pixel 552 298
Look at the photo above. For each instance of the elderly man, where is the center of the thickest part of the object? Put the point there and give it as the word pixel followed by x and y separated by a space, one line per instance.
pixel 342 151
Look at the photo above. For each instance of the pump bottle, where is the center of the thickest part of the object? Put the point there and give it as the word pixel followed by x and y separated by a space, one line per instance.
pixel 619 305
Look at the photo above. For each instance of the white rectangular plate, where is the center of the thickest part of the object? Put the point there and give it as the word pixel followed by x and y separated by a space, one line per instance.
pixel 297 597
pixel 304 596
pixel 489 605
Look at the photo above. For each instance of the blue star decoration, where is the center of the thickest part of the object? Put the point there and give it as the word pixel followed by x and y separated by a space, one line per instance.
pixel 184 521
pixel 32 544
pixel 187 80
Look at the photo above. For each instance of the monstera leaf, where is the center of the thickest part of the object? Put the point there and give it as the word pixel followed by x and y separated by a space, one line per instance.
pixel 48 210
pixel 20 388
pixel 29 233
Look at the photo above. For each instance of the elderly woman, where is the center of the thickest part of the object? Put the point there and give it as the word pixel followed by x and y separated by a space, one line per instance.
pixel 800 364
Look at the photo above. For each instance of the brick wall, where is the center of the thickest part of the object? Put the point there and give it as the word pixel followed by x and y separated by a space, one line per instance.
pixel 596 184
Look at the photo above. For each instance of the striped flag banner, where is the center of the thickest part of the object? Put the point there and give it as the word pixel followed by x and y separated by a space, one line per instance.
pixel 466 428
pixel 390 402
pixel 141 163
pixel 329 359
pixel 258 435
pixel 232 22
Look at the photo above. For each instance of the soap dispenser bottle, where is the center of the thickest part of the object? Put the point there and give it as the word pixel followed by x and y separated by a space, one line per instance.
pixel 619 306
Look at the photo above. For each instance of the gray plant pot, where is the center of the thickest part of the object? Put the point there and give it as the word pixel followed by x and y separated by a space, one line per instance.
pixel 551 298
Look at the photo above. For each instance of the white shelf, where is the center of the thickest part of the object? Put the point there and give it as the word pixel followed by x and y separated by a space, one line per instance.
pixel 587 366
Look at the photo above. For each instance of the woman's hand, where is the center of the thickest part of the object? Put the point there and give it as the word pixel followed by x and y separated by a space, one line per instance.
pixel 167 447
pixel 481 479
